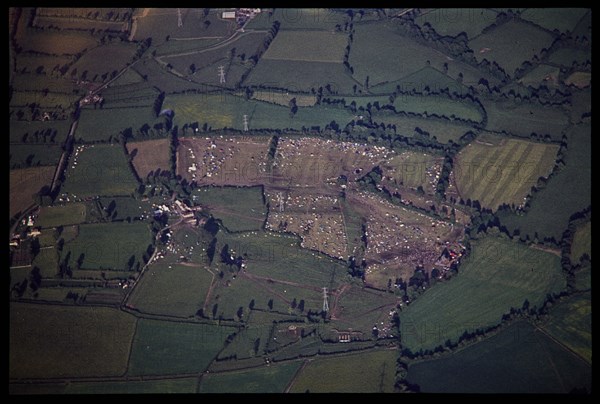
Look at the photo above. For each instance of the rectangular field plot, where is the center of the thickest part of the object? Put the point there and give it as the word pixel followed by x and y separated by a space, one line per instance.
pixel 172 289
pixel 165 347
pixel 56 42
pixel 54 341
pixel 99 170
pixel 519 359
pixel 106 124
pixel 25 131
pixel 561 19
pixel 582 242
pixel 166 386
pixel 308 46
pixel 22 156
pixel 149 155
pixel 61 215
pixel 25 183
pixel 109 246
pixel 300 19
pixel 273 379
pixel 453 21
pixel 240 209
pixel 494 170
pixel 372 372
pixel 498 275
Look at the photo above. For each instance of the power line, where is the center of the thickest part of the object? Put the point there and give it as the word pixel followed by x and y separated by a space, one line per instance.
pixel 325 302
pixel 179 20
pixel 221 74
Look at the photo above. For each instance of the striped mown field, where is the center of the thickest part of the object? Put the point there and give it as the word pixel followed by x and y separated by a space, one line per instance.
pixel 493 170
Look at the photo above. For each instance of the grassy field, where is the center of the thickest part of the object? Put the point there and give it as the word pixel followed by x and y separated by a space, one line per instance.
pixel 426 78
pixel 167 386
pixel 443 131
pixel 495 170
pixel 34 155
pixel 360 309
pixel 519 359
pixel 582 242
pixel 571 323
pixel 561 19
pixel 371 372
pixel 239 209
pixel 299 19
pixel 18 129
pixel 162 347
pixel 100 170
pixel 183 46
pixel 567 56
pixel 56 42
pixel 438 105
pixel 149 156
pixel 125 207
pixel 583 279
pixel 579 79
pixel 412 169
pixel 272 379
pixel 24 184
pixel 104 59
pixel 499 275
pixel 510 44
pixel 281 98
pixel 542 74
pixel 47 262
pixel 376 45
pixel 102 124
pixel 307 76
pixel 61 215
pixel 55 341
pixel 151 70
pixel 533 118
pixel 71 23
pixel 21 99
pixel 453 21
pixel 567 192
pixel 308 46
pixel 109 245
pixel 172 289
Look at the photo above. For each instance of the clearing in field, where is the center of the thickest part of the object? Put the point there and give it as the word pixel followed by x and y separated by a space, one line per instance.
pixel 58 341
pixel 165 347
pixel 519 359
pixel 372 372
pixel 308 46
pixel 109 245
pixel 273 379
pixel 499 274
pixel 172 289
pixel 571 323
pixel 240 209
pixel 223 161
pixel 494 170
pixel 511 44
pixel 149 155
pixel 25 183
pixel 98 170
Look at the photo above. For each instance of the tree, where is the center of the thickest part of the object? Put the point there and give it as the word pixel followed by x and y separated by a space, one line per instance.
pixel 251 304
pixel 210 251
pixel 301 305
pixel 240 312
pixel 214 310
pixel 256 345
pixel 270 304
pixel 35 279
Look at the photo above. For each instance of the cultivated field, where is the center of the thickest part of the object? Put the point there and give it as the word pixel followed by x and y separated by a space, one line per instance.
pixel 107 123
pixel 54 341
pixel 56 42
pixel 427 79
pixel 61 215
pixel 498 275
pixel 240 209
pixel 299 19
pixel 582 242
pixel 542 74
pixel 98 170
pixel 494 170
pixel 571 324
pixel 412 170
pixel 109 245
pixel 149 155
pixel 307 46
pixel 519 359
pixel 280 98
pixel 22 155
pixel 273 379
pixel 371 372
pixel 104 59
pixel 453 21
pixel 164 347
pixel 27 130
pixel 24 184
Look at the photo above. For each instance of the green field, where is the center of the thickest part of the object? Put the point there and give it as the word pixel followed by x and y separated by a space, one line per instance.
pixel 172 289
pixel 300 19
pixel 22 155
pixel 426 79
pixel 25 183
pixel 129 95
pixel 18 129
pixel 220 111
pixel 410 169
pixel 442 130
pixel 519 359
pixel 567 192
pixel 107 123
pixel 240 209
pixel 45 101
pixel 103 60
pixel 163 347
pixel 308 46
pixel 56 42
pixel 183 46
pixel 438 105
pixel 511 44
pixel 272 379
pixel 542 75
pixel 109 245
pixel 568 56
pixel 561 19
pixel 61 215
pixel 31 62
pixel 582 242
pixel 360 309
pixel 100 170
pixel 167 386
pixel 494 170
pixel 371 372
pixel 57 341
pixel 125 208
pixel 583 279
pixel 499 274
pixel 453 21
pixel 533 118
pixel 571 323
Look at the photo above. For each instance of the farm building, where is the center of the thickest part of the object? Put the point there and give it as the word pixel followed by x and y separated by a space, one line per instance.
pixel 228 15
